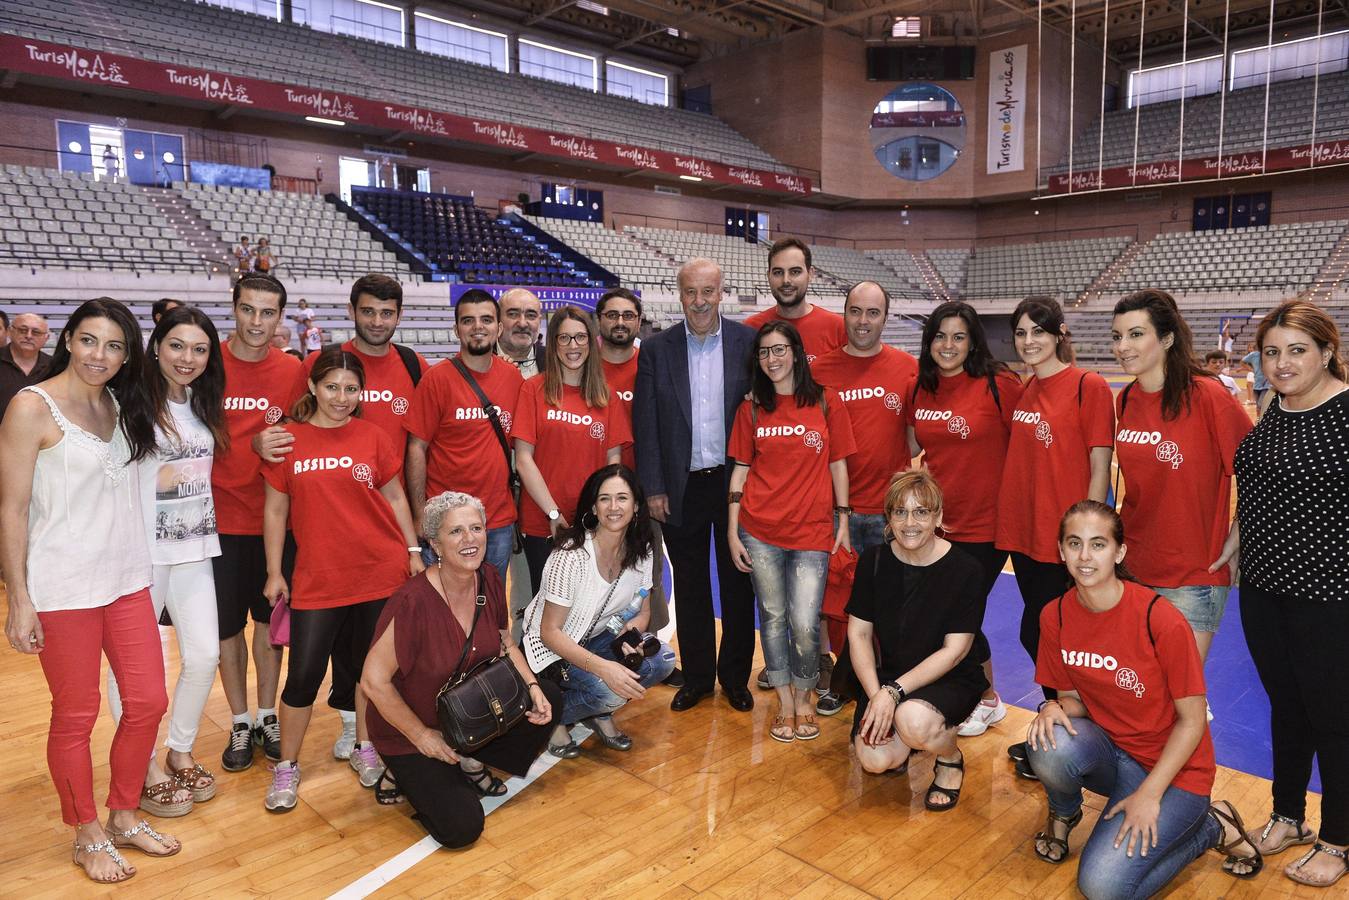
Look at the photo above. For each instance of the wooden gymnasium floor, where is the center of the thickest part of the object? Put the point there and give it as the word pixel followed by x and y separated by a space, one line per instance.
pixel 705 804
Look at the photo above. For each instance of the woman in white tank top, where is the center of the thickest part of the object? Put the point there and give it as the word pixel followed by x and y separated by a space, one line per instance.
pixel 77 571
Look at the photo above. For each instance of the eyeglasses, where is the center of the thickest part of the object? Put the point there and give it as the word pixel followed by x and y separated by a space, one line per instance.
pixel 26 332
pixel 573 339
pixel 918 514
pixel 778 350
pixel 614 315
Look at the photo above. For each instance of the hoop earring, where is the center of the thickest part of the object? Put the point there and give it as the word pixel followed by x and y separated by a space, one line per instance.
pixel 590 521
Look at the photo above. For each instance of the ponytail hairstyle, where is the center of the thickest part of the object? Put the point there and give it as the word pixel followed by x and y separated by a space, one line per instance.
pixel 1048 314
pixel 1179 367
pixel 1107 512
pixel 327 361
pixel 208 390
pixel 980 363
pixel 128 385
pixel 1311 320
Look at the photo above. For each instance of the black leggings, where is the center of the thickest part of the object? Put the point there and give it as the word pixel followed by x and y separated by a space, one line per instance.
pixel 1301 652
pixel 536 554
pixel 313 641
pixel 1040 584
pixel 991 560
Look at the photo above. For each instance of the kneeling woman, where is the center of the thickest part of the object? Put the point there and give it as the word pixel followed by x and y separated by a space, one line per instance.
pixel 1128 724
pixel 340 489
pixel 923 600
pixel 599 576
pixel 418 643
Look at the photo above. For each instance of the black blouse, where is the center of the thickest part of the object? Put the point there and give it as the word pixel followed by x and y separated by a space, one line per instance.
pixel 914 608
pixel 1293 501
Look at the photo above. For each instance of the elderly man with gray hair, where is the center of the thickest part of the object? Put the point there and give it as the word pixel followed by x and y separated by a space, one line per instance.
pixel 22 361
pixel 690 381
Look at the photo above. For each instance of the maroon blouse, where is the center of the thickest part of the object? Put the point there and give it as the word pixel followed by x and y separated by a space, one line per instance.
pixel 427 644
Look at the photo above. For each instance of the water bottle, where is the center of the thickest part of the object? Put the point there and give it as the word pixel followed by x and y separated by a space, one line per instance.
pixel 618 620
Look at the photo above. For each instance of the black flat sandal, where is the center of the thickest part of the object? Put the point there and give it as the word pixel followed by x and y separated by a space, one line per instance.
pixel 487 784
pixel 952 794
pixel 1055 843
pixel 387 792
pixel 1233 818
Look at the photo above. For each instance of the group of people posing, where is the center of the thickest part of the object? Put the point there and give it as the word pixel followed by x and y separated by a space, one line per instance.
pixel 380 503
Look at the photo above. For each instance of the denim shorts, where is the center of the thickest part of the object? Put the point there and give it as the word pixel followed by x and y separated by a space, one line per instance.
pixel 1202 605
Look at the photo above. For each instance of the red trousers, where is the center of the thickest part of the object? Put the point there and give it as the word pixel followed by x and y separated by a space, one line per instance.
pixel 75 642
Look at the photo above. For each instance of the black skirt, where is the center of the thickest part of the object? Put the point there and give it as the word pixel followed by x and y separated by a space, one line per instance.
pixel 954 695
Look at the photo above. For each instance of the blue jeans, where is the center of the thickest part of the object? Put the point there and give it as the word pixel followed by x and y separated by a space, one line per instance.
pixel 789 588
pixel 585 694
pixel 1092 761
pixel 1202 605
pixel 866 530
pixel 500 543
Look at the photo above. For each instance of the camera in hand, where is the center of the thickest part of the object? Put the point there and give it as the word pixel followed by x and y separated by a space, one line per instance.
pixel 631 647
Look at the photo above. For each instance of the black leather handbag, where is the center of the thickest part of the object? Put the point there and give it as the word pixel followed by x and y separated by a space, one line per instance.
pixel 477 706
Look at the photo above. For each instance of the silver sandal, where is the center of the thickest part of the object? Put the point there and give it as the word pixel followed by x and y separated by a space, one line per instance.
pixel 122 839
pixel 103 846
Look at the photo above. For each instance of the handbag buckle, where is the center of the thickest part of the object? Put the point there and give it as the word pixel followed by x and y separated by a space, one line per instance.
pixel 496 707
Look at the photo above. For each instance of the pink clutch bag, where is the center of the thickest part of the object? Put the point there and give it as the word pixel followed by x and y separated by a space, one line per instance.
pixel 278 630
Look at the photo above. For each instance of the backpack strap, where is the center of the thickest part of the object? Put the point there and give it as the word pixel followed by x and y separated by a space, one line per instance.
pixel 1081 381
pixel 993 389
pixel 490 411
pixel 1151 603
pixel 1124 397
pixel 410 362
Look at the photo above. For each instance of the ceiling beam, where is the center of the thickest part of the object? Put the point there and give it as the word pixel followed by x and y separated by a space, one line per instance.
pixel 552 10
pixel 891 8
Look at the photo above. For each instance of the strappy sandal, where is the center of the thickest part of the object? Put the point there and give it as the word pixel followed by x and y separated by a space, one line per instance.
pixel 1294 871
pixel 157 799
pixel 387 792
pixel 807 727
pixel 1255 859
pixel 103 846
pixel 122 840
pixel 486 783
pixel 952 794
pixel 1055 843
pixel 783 728
pixel 197 780
pixel 1301 835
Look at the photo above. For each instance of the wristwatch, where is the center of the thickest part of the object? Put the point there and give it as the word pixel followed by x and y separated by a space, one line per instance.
pixel 554 515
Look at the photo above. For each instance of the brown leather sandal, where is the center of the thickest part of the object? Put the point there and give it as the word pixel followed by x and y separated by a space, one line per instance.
pixel 197 780
pixel 157 799
pixel 783 728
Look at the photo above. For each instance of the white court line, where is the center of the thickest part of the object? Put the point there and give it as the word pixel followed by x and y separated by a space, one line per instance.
pixel 369 883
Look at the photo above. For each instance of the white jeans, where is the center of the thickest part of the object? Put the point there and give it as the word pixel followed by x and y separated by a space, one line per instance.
pixel 188 590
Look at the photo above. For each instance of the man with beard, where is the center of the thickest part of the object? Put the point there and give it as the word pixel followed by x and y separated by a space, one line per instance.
pixel 521 316
pixel 789 272
pixel 452 443
pixel 375 308
pixel 620 314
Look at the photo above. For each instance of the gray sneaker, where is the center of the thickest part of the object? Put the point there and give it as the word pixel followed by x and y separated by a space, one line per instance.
pixel 762 682
pixel 346 741
pixel 285 789
pixel 366 763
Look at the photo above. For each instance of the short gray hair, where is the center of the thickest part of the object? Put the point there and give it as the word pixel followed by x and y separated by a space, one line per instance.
pixel 437 508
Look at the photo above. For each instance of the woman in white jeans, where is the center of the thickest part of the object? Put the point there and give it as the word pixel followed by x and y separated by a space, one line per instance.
pixel 185 381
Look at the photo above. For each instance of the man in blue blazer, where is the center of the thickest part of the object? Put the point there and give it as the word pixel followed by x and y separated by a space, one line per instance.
pixel 690 380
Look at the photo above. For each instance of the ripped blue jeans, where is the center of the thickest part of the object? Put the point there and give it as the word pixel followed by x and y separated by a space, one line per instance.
pixel 789 588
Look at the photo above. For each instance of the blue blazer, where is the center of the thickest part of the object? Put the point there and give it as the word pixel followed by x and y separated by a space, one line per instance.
pixel 662 406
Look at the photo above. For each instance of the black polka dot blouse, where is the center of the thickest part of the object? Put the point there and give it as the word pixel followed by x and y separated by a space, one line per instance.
pixel 1293 501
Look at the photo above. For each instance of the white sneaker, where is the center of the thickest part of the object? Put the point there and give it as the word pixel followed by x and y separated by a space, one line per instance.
pixel 285 789
pixel 346 741
pixel 984 715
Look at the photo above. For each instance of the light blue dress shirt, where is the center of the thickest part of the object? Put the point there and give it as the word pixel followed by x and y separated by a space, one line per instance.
pixel 707 387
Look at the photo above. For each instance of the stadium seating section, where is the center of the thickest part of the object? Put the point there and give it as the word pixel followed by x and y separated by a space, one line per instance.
pixel 637 266
pixel 1060 268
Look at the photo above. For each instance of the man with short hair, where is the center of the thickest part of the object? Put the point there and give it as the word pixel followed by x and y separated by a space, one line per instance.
pixel 259 389
pixel 452 441
pixel 876 384
pixel 691 379
pixel 789 273
pixel 521 316
pixel 161 306
pixel 1215 361
pixel 22 360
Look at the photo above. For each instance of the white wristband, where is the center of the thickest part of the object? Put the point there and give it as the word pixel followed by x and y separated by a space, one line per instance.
pixel 414 549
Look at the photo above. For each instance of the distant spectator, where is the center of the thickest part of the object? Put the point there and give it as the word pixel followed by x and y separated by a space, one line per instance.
pixel 1259 385
pixel 303 315
pixel 264 260
pixel 243 256
pixel 281 340
pixel 22 361
pixel 312 337
pixel 110 165
pixel 162 306
pixel 1216 362
pixel 4 328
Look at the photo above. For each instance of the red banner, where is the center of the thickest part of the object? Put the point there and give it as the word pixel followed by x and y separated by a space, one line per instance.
pixel 91 67
pixel 1276 159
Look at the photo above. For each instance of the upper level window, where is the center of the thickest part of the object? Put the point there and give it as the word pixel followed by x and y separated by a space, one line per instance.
pixel 459 41
pixel 907 27
pixel 359 18
pixel 269 8
pixel 1285 61
pixel 624 80
pixel 556 64
pixel 1176 81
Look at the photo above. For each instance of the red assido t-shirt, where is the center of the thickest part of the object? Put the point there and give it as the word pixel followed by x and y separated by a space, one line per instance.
pixel 388 388
pixel 257 394
pixel 1178 482
pixel 621 377
pixel 1056 423
pixel 350 546
pixel 570 441
pixel 463 452
pixel 789 495
pixel 1128 683
pixel 964 432
pixel 875 390
pixel 821 331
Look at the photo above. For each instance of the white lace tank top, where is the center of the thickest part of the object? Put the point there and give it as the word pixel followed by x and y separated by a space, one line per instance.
pixel 86 541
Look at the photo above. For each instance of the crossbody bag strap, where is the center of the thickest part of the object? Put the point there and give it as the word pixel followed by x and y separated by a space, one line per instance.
pixel 488 409
pixel 478 604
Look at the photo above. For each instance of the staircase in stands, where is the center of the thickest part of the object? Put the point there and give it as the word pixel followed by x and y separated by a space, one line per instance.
pixel 931 276
pixel 192 228
pixel 1333 271
pixel 1118 265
